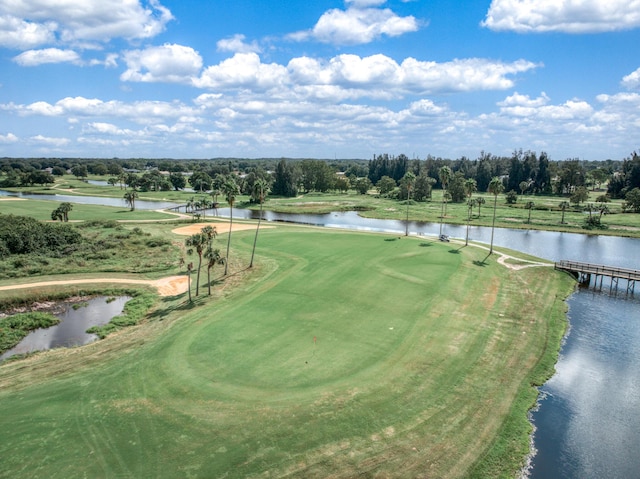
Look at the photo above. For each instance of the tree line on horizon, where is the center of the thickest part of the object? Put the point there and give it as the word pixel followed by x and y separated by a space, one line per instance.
pixel 524 172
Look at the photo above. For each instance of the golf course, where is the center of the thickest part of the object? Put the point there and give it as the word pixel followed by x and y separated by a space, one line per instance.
pixel 338 354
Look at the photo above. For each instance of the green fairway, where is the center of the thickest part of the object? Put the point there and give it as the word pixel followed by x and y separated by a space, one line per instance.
pixel 41 210
pixel 338 355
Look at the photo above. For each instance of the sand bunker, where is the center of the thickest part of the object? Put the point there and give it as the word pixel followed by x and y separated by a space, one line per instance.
pixel 221 228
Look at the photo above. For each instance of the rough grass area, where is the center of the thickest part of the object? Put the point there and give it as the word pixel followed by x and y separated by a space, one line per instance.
pixel 338 355
pixel 106 247
pixel 41 210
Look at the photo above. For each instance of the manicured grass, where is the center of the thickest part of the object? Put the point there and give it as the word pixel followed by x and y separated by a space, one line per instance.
pixel 41 210
pixel 339 354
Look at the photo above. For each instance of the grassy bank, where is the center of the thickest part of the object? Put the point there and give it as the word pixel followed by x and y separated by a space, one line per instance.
pixel 41 210
pixel 338 354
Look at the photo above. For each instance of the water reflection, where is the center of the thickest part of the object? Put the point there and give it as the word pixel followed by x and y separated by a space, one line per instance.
pixel 93 200
pixel 71 330
pixel 588 425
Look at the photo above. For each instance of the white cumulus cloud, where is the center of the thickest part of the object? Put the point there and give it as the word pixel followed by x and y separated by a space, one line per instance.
pixel 569 16
pixel 243 70
pixel 237 44
pixel 632 80
pixel 167 63
pixel 20 34
pixel 32 23
pixel 357 25
pixel 32 58
pixel 53 141
pixel 8 138
pixel 351 76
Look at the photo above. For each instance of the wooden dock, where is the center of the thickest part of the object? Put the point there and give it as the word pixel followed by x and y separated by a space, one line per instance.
pixel 585 271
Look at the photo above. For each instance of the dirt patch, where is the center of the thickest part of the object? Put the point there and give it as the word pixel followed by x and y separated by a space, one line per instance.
pixel 169 286
pixel 10 198
pixel 221 228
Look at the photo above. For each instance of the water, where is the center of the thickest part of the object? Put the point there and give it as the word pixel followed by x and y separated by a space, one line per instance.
pixel 71 330
pixel 588 424
pixel 94 200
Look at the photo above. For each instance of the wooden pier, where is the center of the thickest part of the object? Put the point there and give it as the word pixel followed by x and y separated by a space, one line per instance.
pixel 584 271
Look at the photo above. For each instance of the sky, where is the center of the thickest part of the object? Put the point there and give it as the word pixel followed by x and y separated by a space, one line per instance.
pixel 319 79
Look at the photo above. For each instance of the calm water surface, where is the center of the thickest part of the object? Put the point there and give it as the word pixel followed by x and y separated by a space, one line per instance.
pixel 71 330
pixel 93 200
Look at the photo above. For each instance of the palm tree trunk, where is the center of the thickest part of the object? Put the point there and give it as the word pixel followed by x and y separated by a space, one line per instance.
pixel 198 275
pixel 493 224
pixel 226 262
pixel 189 283
pixel 209 280
pixel 255 240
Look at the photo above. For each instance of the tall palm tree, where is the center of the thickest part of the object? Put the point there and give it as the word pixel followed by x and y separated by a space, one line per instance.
pixel 189 269
pixel 213 258
pixel 198 243
pixel 260 191
pixel 495 188
pixel 409 179
pixel 130 198
pixel 563 206
pixel 529 205
pixel 231 190
pixel 445 174
pixel 470 204
pixel 480 201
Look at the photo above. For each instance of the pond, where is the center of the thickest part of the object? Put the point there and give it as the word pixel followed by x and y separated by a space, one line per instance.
pixel 71 330
pixel 93 200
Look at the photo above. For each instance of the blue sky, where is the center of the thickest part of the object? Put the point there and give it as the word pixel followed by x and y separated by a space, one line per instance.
pixel 320 79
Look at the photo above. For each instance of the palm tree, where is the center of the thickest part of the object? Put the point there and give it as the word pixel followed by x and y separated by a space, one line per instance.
pixel 230 190
pixel 409 179
pixel 445 176
pixel 197 242
pixel 480 201
pixel 130 198
pixel 495 188
pixel 470 187
pixel 470 204
pixel 213 258
pixel 529 205
pixel 563 206
pixel 190 205
pixel 189 269
pixel 65 207
pixel 260 190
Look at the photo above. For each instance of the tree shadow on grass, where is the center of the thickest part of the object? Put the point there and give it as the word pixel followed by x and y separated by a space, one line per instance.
pixel 425 245
pixel 483 262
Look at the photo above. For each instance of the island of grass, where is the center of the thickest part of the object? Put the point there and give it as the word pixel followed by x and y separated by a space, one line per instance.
pixel 338 354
